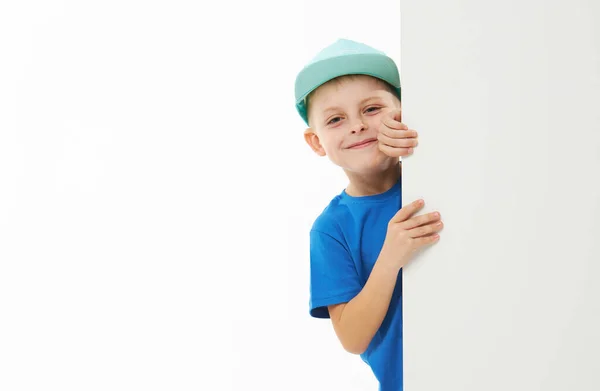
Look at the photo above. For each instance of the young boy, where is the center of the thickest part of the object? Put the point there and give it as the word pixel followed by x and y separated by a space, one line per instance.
pixel 349 96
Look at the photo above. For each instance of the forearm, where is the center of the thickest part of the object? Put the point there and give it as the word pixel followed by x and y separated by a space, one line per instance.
pixel 362 316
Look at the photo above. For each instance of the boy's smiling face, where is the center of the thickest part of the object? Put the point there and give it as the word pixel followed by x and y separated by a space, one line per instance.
pixel 344 116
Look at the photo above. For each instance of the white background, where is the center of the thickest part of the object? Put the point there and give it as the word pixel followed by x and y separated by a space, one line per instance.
pixel 506 96
pixel 156 194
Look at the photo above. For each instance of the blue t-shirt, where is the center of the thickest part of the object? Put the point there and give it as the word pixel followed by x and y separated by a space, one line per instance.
pixel 345 241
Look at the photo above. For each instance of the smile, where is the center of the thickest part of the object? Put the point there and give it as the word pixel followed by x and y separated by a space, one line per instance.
pixel 363 144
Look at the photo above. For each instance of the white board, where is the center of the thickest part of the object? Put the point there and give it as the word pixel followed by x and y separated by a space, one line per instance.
pixel 506 97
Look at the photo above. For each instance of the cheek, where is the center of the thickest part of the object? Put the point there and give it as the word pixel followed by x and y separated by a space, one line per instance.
pixel 340 141
pixel 374 121
pixel 332 141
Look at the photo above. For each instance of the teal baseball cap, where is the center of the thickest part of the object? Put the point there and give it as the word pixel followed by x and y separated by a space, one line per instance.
pixel 343 57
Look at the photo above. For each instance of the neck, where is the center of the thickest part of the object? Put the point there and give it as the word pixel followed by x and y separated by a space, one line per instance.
pixel 373 183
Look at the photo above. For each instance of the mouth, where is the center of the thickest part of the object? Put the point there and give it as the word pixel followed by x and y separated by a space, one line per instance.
pixel 362 144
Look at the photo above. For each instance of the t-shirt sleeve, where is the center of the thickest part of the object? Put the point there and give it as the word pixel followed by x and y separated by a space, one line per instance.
pixel 333 275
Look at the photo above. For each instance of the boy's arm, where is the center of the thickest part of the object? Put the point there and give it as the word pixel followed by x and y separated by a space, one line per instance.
pixel 357 321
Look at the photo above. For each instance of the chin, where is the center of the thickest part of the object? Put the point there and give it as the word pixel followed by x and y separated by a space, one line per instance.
pixel 372 165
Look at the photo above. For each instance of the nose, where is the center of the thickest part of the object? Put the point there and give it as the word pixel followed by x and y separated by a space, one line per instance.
pixel 358 126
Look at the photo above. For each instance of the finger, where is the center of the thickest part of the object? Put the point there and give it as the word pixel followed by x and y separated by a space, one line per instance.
pixel 426 240
pixel 394 151
pixel 390 122
pixel 397 142
pixel 398 133
pixel 394 132
pixel 418 221
pixel 407 211
pixel 425 230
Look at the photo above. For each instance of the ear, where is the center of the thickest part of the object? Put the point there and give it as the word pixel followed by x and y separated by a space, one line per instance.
pixel 312 139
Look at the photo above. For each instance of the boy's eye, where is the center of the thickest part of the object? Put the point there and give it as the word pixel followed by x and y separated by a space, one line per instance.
pixel 372 109
pixel 334 120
